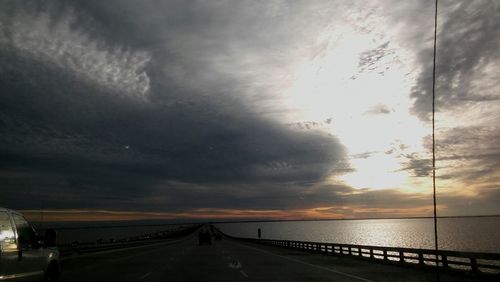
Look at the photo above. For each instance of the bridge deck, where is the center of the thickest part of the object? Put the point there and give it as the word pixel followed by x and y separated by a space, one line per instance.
pixel 229 260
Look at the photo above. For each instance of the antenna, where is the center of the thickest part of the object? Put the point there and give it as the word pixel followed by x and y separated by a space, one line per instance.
pixel 41 215
pixel 434 141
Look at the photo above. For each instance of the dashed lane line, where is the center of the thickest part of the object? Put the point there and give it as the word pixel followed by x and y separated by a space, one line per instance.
pixel 145 275
pixel 310 264
pixel 244 273
pixel 166 243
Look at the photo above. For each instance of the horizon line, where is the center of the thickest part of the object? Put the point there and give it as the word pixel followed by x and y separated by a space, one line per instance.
pixel 239 221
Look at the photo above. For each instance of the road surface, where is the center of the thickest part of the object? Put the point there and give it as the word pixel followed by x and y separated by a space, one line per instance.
pixel 229 260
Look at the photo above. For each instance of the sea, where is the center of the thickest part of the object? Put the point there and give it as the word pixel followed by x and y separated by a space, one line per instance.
pixel 470 234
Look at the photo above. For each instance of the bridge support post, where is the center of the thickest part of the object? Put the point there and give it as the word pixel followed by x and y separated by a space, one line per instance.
pixel 473 264
pixel 444 259
pixel 420 258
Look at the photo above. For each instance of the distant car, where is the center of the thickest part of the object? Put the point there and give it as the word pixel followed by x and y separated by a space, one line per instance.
pixel 25 256
pixel 204 238
pixel 217 236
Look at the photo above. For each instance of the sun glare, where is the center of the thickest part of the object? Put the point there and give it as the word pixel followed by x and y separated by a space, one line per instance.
pixel 361 85
pixel 378 171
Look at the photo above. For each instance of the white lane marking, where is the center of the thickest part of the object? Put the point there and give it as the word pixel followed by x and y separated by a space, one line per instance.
pixel 312 265
pixel 235 264
pixel 243 273
pixel 123 249
pixel 145 275
pixel 20 275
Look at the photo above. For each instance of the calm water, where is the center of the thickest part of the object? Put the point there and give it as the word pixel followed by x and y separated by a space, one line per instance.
pixel 480 234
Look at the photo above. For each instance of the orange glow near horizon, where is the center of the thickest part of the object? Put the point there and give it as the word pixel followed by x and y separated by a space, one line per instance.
pixel 332 212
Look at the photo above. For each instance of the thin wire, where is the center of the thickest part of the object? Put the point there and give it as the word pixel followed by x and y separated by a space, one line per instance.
pixel 434 141
pixel 41 216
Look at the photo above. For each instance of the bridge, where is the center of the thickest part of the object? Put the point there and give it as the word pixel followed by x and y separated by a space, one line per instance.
pixel 236 259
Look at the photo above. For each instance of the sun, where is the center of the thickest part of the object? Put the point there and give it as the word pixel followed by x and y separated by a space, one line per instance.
pixel 361 85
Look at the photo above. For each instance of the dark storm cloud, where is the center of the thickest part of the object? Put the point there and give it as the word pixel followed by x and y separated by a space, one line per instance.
pixel 165 105
pixel 483 203
pixel 419 167
pixel 103 104
pixel 466 153
pixel 468 40
pixel 471 154
pixel 288 197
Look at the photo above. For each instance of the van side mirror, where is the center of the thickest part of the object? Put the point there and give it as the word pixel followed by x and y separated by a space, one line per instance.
pixel 21 240
pixel 38 242
pixel 50 238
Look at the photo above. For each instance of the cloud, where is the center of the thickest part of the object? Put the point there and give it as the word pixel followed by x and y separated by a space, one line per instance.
pixel 326 202
pixel 466 94
pixel 468 38
pixel 61 40
pixel 378 110
pixel 470 154
pixel 107 121
pixel 419 167
pixel 378 59
pixel 176 106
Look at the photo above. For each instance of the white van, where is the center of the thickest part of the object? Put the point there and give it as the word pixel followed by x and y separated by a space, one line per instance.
pixel 25 256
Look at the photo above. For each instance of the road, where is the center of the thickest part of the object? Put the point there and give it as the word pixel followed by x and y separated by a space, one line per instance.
pixel 228 260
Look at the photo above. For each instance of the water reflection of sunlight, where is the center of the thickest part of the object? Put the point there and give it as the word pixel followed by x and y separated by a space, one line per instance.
pixel 390 233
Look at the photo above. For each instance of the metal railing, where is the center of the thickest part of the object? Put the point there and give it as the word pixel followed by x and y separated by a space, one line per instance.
pixel 143 240
pixel 473 262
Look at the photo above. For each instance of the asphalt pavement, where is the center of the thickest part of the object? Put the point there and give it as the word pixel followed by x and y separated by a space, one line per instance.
pixel 229 260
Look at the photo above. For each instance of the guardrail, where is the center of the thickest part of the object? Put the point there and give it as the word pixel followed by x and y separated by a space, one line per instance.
pixel 471 262
pixel 67 250
pixel 92 248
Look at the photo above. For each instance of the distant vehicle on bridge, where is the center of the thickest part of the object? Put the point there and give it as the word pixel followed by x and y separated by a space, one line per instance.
pixel 217 236
pixel 24 255
pixel 204 237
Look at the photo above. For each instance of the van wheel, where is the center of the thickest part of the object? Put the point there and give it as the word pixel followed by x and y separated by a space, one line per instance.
pixel 53 273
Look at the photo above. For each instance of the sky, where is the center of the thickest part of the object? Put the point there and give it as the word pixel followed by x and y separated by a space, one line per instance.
pixel 122 110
